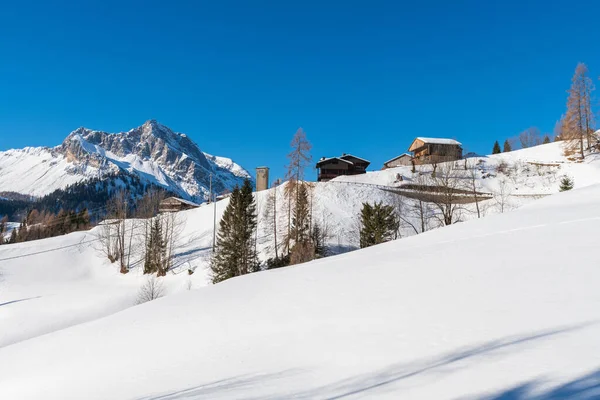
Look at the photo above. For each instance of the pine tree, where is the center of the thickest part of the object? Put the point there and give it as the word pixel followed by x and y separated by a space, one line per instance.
pixel 566 183
pixel 507 147
pixel 154 258
pixel 303 249
pixel 496 149
pixel 13 236
pixel 546 140
pixel 378 224
pixel 235 252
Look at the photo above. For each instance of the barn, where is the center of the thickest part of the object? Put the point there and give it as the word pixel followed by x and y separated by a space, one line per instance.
pixel 399 161
pixel 174 204
pixel 346 164
pixel 434 150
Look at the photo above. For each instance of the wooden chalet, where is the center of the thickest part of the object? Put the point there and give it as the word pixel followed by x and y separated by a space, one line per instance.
pixel 347 164
pixel 402 160
pixel 175 204
pixel 434 150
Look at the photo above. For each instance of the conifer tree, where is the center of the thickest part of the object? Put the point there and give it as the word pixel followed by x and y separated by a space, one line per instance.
pixel 379 224
pixel 566 183
pixel 546 140
pixel 496 149
pixel 303 249
pixel 235 252
pixel 507 147
pixel 13 236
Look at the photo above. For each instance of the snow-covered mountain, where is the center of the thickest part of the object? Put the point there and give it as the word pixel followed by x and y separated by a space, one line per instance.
pixel 152 151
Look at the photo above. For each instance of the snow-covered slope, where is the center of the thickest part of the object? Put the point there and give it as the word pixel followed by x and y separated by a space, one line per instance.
pixel 52 281
pixel 501 307
pixel 152 151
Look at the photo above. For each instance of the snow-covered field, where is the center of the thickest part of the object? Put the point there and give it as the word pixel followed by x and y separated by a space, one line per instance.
pixel 507 305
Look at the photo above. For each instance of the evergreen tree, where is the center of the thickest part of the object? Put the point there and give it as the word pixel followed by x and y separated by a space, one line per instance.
pixel 496 149
pixel 379 224
pixel 13 236
pixel 303 249
pixel 235 251
pixel 546 140
pixel 566 183
pixel 155 249
pixel 507 147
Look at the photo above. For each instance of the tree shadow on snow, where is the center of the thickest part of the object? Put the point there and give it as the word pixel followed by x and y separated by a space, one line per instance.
pixel 18 301
pixel 222 387
pixel 378 382
pixel 585 388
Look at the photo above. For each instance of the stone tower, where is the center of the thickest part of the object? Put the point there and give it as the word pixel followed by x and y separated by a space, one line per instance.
pixel 262 178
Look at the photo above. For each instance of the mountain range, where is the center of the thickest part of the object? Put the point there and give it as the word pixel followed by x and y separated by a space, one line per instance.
pixel 152 152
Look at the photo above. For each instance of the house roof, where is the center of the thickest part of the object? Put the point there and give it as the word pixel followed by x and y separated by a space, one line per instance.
pixel 323 160
pixel 429 140
pixel 397 157
pixel 358 158
pixel 189 203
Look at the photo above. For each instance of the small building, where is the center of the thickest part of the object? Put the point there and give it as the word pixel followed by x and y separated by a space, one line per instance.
pixel 174 204
pixel 346 164
pixel 402 160
pixel 434 150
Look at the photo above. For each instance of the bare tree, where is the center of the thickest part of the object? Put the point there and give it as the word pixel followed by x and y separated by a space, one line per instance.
pixel 502 195
pixel 530 137
pixel 270 216
pixel 579 118
pixel 118 208
pixel 299 158
pixel 447 185
pixel 471 183
pixel 152 289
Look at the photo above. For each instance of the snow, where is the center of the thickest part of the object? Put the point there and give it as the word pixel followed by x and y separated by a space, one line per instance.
pixel 438 140
pixel 392 321
pixel 473 310
pixel 38 171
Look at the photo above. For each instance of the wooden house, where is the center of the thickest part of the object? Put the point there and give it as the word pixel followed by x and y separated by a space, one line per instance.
pixel 434 150
pixel 402 160
pixel 346 164
pixel 174 204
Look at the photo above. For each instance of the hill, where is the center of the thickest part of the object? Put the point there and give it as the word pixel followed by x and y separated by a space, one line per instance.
pixel 500 307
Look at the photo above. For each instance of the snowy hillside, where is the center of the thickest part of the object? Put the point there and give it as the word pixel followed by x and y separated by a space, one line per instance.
pixel 152 151
pixel 502 307
pixel 73 265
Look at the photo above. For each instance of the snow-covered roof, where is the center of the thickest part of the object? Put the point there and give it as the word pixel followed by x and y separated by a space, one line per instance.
pixel 189 203
pixel 438 140
pixel 397 157
pixel 334 158
pixel 358 158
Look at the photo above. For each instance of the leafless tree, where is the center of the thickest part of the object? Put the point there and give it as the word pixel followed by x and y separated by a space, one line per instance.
pixel 118 209
pixel 299 158
pixel 471 182
pixel 502 195
pixel 152 289
pixel 530 137
pixel 447 198
pixel 107 244
pixel 579 119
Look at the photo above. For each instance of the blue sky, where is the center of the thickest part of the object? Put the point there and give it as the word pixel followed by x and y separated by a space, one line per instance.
pixel 240 77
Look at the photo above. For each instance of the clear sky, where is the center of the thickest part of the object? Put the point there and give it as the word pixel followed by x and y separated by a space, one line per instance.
pixel 239 77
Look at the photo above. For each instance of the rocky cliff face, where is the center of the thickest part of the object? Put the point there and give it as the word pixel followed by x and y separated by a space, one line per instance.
pixel 152 151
